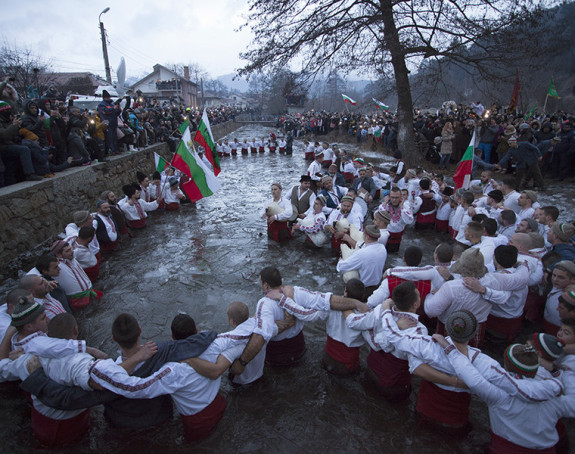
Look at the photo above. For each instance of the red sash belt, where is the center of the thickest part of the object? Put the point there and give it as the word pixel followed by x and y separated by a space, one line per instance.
pixel 442 406
pixel 57 432
pixel 395 237
pixel 349 356
pixel 279 231
pixel 262 150
pixel 500 445
pixel 507 326
pixel 534 307
pixel 425 218
pixel 285 352
pixel 244 151
pixel 199 426
pixel 93 272
pixel 326 163
pixel 234 152
pixel 111 245
pixel 390 370
pixel 442 226
pixel 273 150
pixel 254 150
pixel 173 206
pixel 139 224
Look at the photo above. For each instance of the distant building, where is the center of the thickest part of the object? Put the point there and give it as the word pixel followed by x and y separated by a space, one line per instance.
pixel 166 85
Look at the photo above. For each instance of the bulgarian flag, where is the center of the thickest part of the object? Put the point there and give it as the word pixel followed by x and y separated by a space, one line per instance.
pixel 203 182
pixel 205 138
pixel 348 99
pixel 380 105
pixel 462 175
pixel 161 163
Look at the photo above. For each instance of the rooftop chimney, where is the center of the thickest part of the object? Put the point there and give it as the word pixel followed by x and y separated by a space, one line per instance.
pixel 187 72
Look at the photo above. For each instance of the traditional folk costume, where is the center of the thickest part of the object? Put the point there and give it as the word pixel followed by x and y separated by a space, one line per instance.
pixel 107 232
pixel 76 283
pixel 136 212
pixel 401 217
pixel 282 211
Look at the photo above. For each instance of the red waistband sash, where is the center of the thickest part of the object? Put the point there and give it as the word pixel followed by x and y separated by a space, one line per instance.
pixel 500 445
pixel 390 370
pixel 349 356
pixel 442 406
pixel 199 426
pixel 286 351
pixel 57 432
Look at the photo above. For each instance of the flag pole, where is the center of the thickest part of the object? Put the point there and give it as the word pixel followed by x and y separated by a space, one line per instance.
pixel 545 104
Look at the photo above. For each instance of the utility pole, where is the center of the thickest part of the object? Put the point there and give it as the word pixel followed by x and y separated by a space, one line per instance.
pixel 105 48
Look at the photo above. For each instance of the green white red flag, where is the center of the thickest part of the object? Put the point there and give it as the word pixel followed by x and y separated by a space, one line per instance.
pixel 203 182
pixel 205 138
pixel 380 105
pixel 462 175
pixel 161 163
pixel 348 99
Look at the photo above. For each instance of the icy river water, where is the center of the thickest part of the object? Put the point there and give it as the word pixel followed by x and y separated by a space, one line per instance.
pixel 198 261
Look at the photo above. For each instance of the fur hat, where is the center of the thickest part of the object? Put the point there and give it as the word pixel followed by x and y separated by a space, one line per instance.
pixel 26 312
pixel 564 231
pixel 105 94
pixel 549 346
pixel 470 263
pixel 461 326
pixel 305 178
pixel 372 231
pixel 509 130
pixel 448 191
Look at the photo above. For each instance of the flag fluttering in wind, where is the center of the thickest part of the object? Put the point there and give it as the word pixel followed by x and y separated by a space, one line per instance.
pixel 205 138
pixel 380 105
pixel 462 175
pixel 530 113
pixel 515 95
pixel 552 91
pixel 161 163
pixel 348 99
pixel 203 182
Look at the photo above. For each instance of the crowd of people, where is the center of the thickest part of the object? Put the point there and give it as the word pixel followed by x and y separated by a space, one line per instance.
pixel 503 271
pixel 45 135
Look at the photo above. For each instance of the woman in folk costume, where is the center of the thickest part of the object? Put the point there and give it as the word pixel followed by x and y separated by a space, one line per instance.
pixel 312 225
pixel 277 213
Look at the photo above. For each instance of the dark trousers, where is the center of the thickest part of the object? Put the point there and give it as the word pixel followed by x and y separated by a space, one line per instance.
pixel 524 175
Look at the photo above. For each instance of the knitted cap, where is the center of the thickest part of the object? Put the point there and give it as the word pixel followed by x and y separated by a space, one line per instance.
pixel 566 265
pixel 325 179
pixel 373 231
pixel 321 199
pixel 383 216
pixel 509 130
pixel 461 326
pixel 477 188
pixel 511 140
pixel 4 106
pixel 358 160
pixel 318 153
pixel 347 198
pixel 81 216
pixel 470 263
pixel 563 230
pixel 531 194
pixel 549 346
pixel 568 296
pixel 411 172
pixel 521 359
pixel 26 312
pixel 57 246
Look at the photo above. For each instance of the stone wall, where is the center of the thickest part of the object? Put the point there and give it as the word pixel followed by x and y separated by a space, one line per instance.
pixel 32 214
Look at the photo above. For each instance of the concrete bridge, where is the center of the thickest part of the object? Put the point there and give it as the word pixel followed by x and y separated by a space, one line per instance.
pixel 256 119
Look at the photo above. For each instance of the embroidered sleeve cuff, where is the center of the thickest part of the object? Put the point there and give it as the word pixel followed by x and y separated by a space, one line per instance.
pixel 449 349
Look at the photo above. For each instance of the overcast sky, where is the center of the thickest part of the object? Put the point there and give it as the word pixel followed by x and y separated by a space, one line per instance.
pixel 66 33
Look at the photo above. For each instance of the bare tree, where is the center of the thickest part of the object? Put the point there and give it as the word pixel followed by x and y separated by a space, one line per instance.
pixel 27 69
pixel 369 35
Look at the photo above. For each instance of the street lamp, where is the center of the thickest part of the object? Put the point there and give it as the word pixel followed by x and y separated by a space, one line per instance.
pixel 104 48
